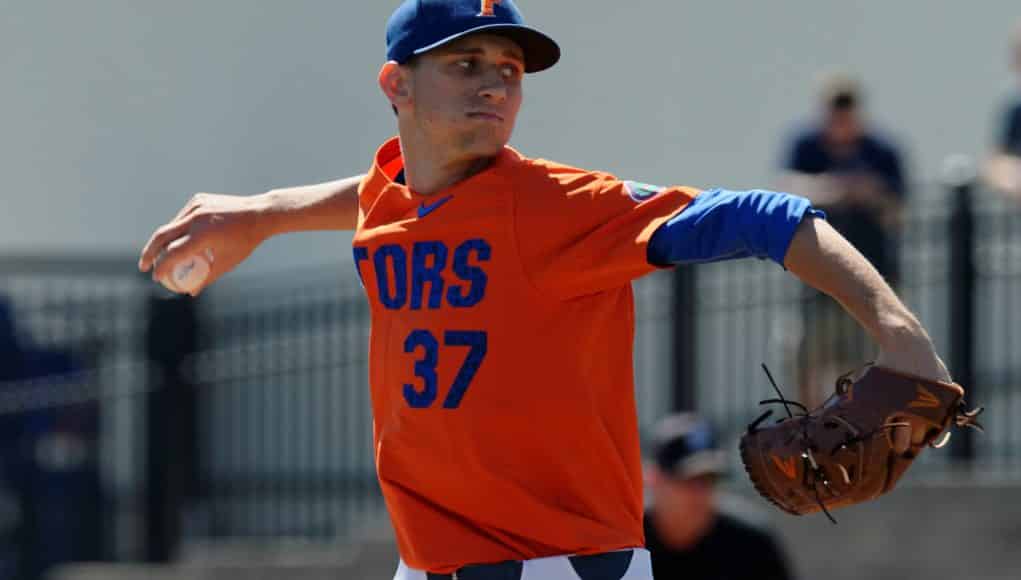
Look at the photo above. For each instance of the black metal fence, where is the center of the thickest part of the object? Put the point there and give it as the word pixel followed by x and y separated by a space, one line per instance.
pixel 158 421
pixel 285 420
pixel 72 372
pixel 135 423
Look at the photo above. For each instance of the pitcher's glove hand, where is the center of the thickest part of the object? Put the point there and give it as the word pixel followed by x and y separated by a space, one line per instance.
pixel 856 445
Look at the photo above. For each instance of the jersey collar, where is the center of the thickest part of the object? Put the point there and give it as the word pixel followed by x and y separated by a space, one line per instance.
pixel 389 162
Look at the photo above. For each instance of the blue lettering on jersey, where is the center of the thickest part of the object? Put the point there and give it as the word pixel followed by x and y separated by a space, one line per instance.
pixel 429 262
pixel 474 274
pixel 360 254
pixel 393 298
pixel 640 192
pixel 422 273
pixel 425 368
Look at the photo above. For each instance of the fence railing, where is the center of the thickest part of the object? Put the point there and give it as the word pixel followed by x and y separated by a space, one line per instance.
pixel 73 375
pixel 285 420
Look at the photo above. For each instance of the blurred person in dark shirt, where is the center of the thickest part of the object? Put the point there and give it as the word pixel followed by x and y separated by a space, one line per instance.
pixel 1003 169
pixel 687 532
pixel 51 501
pixel 856 176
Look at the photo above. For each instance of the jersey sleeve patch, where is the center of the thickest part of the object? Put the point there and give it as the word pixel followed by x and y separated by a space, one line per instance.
pixel 640 192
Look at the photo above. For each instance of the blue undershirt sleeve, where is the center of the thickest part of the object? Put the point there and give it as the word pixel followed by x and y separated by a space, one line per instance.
pixel 725 225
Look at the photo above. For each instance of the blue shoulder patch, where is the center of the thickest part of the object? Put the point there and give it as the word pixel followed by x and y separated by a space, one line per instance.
pixel 640 192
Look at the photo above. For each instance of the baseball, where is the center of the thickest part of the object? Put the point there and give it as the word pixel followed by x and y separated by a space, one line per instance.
pixel 189 276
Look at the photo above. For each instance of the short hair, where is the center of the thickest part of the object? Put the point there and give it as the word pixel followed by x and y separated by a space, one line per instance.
pixel 840 92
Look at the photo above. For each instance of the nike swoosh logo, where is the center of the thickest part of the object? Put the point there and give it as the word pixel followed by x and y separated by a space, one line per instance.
pixel 426 209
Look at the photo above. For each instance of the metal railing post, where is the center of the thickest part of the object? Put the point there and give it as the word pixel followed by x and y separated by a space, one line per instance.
pixel 684 337
pixel 960 179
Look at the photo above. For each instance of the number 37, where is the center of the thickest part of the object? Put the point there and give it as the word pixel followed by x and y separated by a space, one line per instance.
pixel 425 368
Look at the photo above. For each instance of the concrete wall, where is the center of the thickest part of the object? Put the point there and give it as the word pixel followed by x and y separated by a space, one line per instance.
pixel 113 112
pixel 970 532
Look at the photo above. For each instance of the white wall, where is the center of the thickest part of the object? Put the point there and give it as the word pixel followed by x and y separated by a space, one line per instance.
pixel 112 112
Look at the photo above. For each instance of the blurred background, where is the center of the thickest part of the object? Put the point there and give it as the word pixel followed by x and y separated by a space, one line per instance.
pixel 231 435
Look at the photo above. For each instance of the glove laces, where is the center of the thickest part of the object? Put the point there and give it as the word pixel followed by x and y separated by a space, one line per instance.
pixel 815 475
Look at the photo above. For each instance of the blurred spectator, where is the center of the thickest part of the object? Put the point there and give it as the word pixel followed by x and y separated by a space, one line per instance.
pixel 687 533
pixel 11 513
pixel 1003 170
pixel 847 169
pixel 50 499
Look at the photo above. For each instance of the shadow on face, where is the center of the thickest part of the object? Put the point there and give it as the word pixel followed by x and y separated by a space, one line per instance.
pixel 691 500
pixel 465 96
pixel 843 126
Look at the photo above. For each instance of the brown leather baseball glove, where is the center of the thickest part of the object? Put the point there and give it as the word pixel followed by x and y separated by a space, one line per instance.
pixel 856 446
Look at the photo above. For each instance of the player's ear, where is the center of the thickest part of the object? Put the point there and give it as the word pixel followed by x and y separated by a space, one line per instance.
pixel 394 82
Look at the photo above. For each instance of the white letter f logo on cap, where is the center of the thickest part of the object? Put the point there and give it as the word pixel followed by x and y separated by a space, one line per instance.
pixel 488 6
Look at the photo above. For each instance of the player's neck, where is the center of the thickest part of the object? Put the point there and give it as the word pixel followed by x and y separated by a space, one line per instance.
pixel 429 169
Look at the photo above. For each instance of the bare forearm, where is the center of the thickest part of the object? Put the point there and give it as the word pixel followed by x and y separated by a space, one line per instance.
pixel 823 259
pixel 323 206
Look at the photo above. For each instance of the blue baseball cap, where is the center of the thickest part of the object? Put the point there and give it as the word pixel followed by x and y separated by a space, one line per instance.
pixel 418 26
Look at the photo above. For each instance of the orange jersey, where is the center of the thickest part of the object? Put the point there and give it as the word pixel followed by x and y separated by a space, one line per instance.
pixel 501 358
